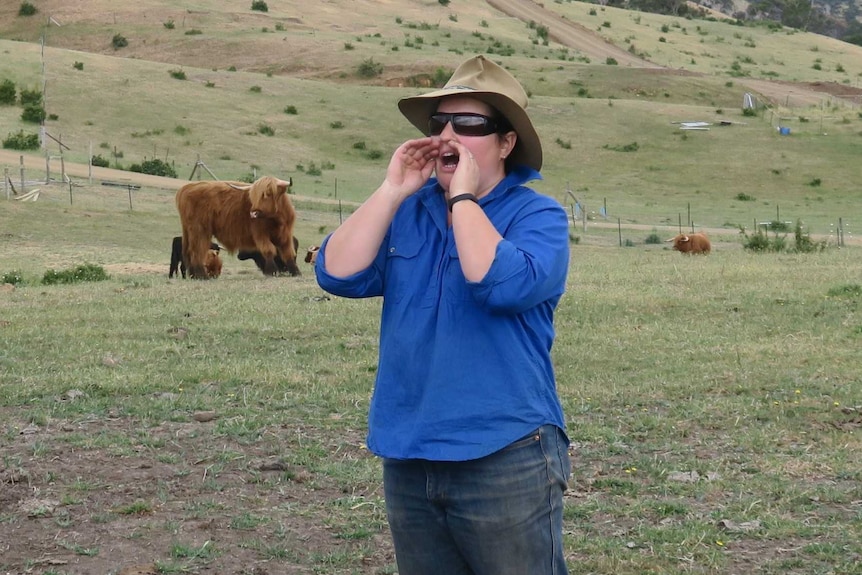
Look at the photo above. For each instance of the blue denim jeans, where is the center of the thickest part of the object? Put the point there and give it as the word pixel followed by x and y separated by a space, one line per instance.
pixel 499 515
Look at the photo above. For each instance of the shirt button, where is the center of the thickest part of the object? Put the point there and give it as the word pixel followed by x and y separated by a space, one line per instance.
pixel 391 250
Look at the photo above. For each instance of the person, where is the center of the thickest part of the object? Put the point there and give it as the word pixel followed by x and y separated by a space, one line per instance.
pixel 471 264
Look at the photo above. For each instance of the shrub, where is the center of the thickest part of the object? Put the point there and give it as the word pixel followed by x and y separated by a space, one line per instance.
pixel 177 74
pixel 291 110
pixel 259 5
pixel 266 130
pixel 99 161
pixel 34 114
pixel 31 97
pixel 803 242
pixel 154 167
pixel 21 141
pixel 611 61
pixel 14 277
pixel 336 125
pixel 27 9
pixel 443 2
pixel 743 197
pixel 255 89
pixel 81 273
pixel 369 68
pixel 359 145
pixel 78 65
pixel 653 238
pixel 757 242
pixel 169 24
pixel 749 112
pixel 313 170
pixel 633 147
pixel 119 41
pixel 7 93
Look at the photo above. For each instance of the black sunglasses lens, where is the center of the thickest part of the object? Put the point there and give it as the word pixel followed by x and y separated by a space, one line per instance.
pixel 436 124
pixel 472 125
pixel 462 124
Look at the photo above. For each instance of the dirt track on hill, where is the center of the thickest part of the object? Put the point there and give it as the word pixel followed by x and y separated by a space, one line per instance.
pixel 568 33
pixel 592 45
pixel 34 166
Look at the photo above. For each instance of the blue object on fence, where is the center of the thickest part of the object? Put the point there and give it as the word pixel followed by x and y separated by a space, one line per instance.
pixel 577 210
pixel 784 131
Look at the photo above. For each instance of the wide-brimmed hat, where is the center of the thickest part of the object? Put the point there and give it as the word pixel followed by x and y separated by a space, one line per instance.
pixel 484 80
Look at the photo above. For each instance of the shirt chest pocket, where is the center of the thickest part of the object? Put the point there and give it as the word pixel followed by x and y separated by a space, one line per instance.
pixel 408 273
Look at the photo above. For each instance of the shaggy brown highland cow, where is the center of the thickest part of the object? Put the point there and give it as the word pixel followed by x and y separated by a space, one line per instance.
pixel 256 216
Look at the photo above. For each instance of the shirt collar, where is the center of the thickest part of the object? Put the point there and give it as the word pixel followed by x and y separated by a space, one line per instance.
pixel 431 195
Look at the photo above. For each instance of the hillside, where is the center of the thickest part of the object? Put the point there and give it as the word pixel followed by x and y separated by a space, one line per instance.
pixel 309 90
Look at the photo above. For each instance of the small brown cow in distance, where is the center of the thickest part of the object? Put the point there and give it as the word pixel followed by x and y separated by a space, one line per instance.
pixel 177 264
pixel 696 243
pixel 212 264
pixel 257 216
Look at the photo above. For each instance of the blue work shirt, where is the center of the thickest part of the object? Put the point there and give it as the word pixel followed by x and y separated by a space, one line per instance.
pixel 464 367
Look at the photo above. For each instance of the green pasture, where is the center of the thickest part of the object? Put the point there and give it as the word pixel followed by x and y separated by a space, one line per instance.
pixel 713 402
pixel 701 393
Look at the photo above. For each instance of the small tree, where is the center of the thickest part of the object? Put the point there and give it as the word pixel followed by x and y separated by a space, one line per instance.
pixel 259 5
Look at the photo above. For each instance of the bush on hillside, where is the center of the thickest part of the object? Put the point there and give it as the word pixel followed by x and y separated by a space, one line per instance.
pixel 21 141
pixel 259 5
pixel 369 68
pixel 27 9
pixel 31 97
pixel 35 114
pixel 119 41
pixel 8 93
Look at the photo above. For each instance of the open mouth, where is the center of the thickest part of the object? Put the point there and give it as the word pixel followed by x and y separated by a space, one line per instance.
pixel 449 159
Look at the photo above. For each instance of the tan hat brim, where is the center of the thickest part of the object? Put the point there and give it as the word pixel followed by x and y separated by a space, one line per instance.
pixel 528 150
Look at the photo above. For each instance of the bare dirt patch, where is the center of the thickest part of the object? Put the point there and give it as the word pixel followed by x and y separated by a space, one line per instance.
pixel 168 502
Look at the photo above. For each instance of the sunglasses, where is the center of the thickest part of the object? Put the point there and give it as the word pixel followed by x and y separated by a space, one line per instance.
pixel 464 124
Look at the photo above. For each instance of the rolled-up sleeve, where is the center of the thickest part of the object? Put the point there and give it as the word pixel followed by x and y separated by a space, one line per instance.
pixel 366 283
pixel 530 265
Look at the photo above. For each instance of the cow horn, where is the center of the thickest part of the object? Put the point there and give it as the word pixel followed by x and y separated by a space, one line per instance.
pixel 288 182
pixel 241 188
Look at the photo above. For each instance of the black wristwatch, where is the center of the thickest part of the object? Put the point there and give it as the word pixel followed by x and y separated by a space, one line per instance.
pixel 452 201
